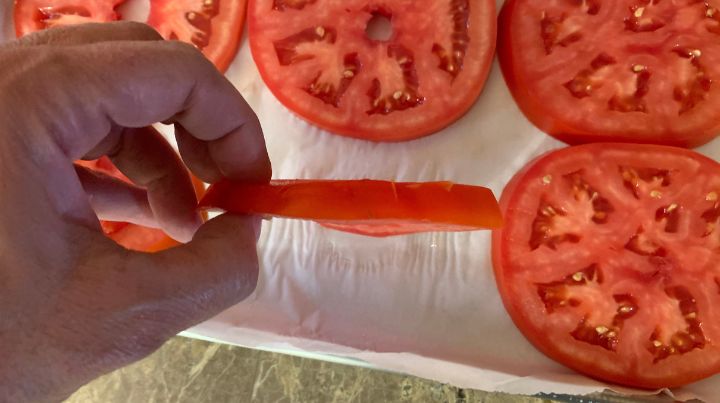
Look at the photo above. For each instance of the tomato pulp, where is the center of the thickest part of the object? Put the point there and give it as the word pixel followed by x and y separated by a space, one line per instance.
pixel 609 261
pixel 627 71
pixel 320 61
pixel 213 26
pixel 366 207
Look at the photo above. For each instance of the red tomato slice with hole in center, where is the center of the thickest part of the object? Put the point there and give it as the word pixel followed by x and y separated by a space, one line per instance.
pixel 609 261
pixel 132 236
pixel 629 71
pixel 319 61
pixel 213 26
pixel 366 207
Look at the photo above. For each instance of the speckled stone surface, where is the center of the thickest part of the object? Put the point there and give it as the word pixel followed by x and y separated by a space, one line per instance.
pixel 186 370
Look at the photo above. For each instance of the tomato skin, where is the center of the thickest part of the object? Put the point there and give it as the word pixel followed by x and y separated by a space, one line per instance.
pixel 535 105
pixel 429 117
pixel 673 371
pixel 366 207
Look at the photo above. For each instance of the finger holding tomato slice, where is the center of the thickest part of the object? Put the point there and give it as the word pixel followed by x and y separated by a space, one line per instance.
pixel 627 71
pixel 133 236
pixel 214 26
pixel 609 261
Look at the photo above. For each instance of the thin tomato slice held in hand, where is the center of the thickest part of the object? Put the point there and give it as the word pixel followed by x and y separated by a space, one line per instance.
pixel 628 71
pixel 609 261
pixel 213 26
pixel 366 207
pixel 36 15
pixel 319 61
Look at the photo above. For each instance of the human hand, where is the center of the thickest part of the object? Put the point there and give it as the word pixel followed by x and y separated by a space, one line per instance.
pixel 73 303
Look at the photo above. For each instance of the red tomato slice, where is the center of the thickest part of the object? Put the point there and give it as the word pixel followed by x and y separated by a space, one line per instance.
pixel 609 261
pixel 317 59
pixel 367 207
pixel 132 236
pixel 627 71
pixel 36 15
pixel 213 26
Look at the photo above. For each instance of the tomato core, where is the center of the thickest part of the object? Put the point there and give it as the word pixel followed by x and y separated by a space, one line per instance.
pixel 379 27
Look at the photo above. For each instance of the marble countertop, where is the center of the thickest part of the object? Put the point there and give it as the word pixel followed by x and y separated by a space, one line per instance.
pixel 188 370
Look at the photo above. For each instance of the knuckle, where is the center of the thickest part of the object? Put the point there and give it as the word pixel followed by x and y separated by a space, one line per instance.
pixel 191 56
pixel 234 258
pixel 183 48
pixel 244 278
pixel 139 30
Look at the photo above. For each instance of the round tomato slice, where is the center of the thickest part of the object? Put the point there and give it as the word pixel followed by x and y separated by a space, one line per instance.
pixel 213 26
pixel 319 60
pixel 626 71
pixel 36 15
pixel 609 261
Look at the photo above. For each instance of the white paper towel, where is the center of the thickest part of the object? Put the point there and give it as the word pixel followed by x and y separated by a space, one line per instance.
pixel 422 304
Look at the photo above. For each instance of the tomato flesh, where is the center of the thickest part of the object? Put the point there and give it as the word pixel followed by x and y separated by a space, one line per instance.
pixel 630 71
pixel 319 61
pixel 367 207
pixel 609 261
pixel 213 26
pixel 36 15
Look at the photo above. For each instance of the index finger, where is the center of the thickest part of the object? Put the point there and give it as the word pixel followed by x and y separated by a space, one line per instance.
pixel 134 84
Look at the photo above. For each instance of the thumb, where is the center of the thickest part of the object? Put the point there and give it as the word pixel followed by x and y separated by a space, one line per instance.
pixel 200 279
pixel 120 305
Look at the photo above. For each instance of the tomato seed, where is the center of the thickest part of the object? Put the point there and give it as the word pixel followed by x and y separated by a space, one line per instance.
pixel 625 309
